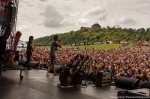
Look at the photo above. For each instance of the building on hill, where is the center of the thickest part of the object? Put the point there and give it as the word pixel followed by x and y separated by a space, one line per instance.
pixel 85 28
pixel 95 26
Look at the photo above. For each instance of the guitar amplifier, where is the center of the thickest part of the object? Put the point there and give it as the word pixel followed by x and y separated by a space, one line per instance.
pixel 103 79
pixel 134 94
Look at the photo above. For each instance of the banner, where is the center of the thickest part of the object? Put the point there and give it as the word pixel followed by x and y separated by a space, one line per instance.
pixel 16 40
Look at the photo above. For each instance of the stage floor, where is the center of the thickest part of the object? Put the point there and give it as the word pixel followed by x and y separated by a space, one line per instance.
pixel 36 85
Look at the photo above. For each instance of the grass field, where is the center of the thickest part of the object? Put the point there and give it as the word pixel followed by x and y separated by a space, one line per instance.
pixel 99 46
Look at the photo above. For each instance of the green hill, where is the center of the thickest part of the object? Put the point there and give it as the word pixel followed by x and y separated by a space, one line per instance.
pixel 100 35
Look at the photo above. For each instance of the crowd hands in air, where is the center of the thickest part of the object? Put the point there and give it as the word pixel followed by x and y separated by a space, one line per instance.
pixel 128 62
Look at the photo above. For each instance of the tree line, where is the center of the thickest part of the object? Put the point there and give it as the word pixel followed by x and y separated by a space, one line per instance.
pixel 104 34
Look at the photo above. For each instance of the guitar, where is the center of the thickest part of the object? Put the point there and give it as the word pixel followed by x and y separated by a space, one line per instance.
pixel 77 77
pixel 63 77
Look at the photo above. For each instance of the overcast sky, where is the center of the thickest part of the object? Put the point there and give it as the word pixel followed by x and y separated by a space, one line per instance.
pixel 45 17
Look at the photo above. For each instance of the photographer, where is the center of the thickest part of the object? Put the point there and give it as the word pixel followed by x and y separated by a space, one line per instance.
pixel 54 47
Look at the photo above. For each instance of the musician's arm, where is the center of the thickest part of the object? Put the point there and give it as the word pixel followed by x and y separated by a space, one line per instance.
pixel 31 47
pixel 58 45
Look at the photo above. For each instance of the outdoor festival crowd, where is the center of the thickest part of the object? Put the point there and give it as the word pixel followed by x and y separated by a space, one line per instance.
pixel 132 63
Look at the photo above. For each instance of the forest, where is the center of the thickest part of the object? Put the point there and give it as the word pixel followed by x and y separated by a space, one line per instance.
pixel 104 34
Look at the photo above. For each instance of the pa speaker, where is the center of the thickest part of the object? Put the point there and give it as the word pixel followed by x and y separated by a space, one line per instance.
pixel 127 83
pixel 145 84
pixel 2 48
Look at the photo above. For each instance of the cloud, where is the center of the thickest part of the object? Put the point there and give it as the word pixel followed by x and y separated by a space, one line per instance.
pixel 66 23
pixel 94 11
pixel 59 16
pixel 82 21
pixel 24 27
pixel 75 14
pixel 124 20
pixel 52 17
pixel 42 0
pixel 102 16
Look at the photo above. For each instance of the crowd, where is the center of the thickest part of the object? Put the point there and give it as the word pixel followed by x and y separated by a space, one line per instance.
pixel 129 62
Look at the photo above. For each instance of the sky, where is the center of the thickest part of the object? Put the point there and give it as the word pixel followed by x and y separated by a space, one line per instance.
pixel 41 18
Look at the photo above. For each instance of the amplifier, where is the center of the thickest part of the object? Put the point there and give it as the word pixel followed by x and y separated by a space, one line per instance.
pixel 103 79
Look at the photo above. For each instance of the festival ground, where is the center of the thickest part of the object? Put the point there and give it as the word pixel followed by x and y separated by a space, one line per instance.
pixel 35 85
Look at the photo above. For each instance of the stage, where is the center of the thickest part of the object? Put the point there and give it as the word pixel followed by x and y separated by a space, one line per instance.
pixel 36 85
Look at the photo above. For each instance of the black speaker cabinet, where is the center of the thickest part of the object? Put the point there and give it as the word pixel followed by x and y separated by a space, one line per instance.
pixel 145 84
pixel 103 79
pixel 33 64
pixel 2 47
pixel 134 94
pixel 127 83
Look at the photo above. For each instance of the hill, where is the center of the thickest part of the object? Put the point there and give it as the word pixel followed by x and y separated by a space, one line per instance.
pixel 116 34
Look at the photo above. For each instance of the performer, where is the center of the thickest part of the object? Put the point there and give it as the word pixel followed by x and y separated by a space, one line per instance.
pixel 29 52
pixel 54 47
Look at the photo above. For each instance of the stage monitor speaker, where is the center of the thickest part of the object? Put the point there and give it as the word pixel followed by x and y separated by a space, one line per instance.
pixel 103 79
pixel 127 83
pixel 32 64
pixel 145 84
pixel 134 94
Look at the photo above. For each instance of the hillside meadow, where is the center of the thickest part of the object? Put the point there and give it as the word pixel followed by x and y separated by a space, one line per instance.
pixel 97 46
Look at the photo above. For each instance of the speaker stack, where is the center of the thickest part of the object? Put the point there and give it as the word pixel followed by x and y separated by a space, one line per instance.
pixel 103 79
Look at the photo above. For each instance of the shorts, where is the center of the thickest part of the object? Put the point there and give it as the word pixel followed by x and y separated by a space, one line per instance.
pixel 53 60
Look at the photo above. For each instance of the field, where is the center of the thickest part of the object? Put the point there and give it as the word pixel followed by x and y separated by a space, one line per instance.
pixel 100 46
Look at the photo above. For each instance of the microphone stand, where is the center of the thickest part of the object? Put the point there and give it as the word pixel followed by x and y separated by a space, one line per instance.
pixel 85 84
pixel 22 43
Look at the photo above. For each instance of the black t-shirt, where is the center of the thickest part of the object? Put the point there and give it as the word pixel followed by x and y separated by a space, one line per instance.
pixel 29 48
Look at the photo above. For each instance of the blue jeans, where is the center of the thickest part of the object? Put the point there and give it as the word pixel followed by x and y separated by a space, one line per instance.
pixel 28 61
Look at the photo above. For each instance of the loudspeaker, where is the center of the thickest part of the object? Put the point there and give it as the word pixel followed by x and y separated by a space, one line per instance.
pixel 145 84
pixel 134 94
pixel 2 47
pixel 103 79
pixel 58 69
pixel 32 64
pixel 127 83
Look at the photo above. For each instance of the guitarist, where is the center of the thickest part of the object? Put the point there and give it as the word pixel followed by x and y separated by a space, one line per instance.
pixel 29 51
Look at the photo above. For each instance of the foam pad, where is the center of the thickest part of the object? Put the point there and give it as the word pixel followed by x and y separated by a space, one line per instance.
pixel 127 83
